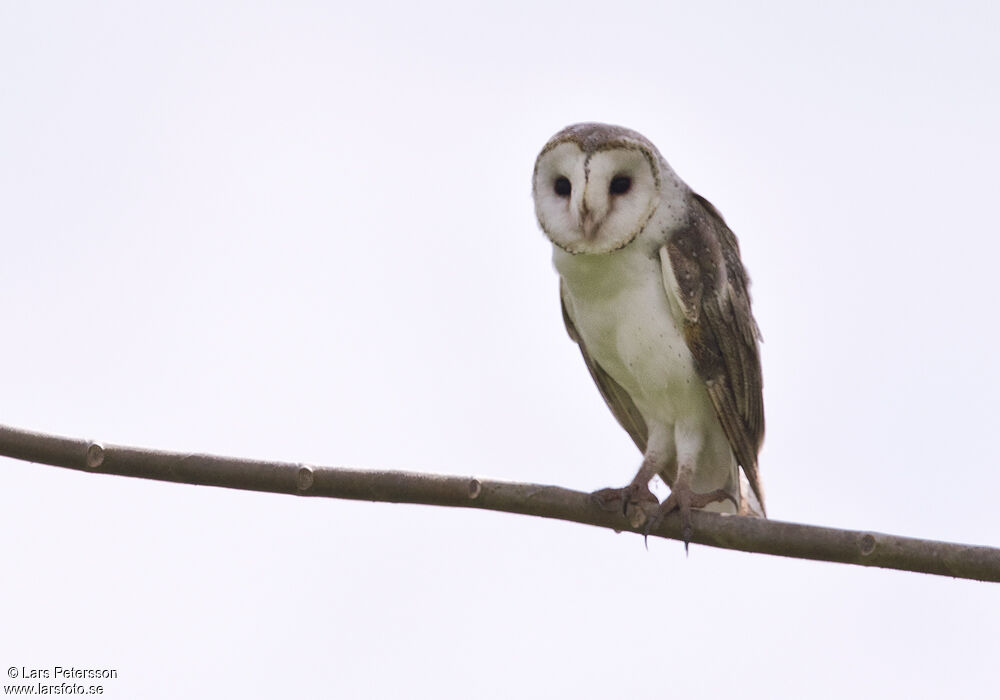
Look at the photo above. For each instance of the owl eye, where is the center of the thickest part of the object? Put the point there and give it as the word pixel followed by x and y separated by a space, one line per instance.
pixel 562 186
pixel 620 184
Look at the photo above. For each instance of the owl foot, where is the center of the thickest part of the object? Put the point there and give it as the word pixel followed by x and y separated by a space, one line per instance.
pixel 683 499
pixel 636 502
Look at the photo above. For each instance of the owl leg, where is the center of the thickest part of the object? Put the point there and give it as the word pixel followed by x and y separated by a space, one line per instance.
pixel 683 499
pixel 635 501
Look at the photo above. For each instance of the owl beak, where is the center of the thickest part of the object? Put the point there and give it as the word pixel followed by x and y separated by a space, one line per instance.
pixel 590 222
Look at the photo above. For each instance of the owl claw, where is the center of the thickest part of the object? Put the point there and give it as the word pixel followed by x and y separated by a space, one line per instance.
pixel 683 499
pixel 635 501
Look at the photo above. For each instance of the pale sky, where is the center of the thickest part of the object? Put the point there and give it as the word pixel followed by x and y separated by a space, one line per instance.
pixel 304 232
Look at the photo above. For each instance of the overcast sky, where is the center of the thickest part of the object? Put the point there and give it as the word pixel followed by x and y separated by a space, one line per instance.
pixel 304 232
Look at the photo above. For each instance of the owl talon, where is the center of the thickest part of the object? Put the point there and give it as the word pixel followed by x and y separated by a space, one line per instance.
pixel 683 499
pixel 635 501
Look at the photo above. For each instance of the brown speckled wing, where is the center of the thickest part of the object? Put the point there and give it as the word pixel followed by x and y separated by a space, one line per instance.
pixel 615 396
pixel 711 286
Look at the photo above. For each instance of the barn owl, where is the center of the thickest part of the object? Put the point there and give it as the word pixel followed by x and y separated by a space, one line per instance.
pixel 654 293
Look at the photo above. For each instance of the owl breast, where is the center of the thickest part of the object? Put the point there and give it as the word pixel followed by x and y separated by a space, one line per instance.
pixel 620 309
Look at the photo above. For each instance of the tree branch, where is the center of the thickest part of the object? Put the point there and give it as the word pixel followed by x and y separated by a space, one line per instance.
pixel 727 531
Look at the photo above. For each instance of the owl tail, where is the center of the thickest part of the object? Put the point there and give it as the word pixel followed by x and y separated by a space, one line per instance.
pixel 749 504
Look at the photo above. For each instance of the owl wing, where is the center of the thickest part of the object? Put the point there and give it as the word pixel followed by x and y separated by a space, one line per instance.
pixel 705 278
pixel 615 396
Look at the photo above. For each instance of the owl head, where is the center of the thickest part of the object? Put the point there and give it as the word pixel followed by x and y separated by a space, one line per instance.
pixel 596 186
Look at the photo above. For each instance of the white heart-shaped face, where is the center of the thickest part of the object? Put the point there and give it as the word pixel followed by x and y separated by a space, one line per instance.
pixel 597 202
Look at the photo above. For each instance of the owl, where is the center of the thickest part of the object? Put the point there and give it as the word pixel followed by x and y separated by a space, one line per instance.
pixel 654 293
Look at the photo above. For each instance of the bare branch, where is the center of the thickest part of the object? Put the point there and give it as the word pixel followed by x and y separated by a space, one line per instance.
pixel 727 531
